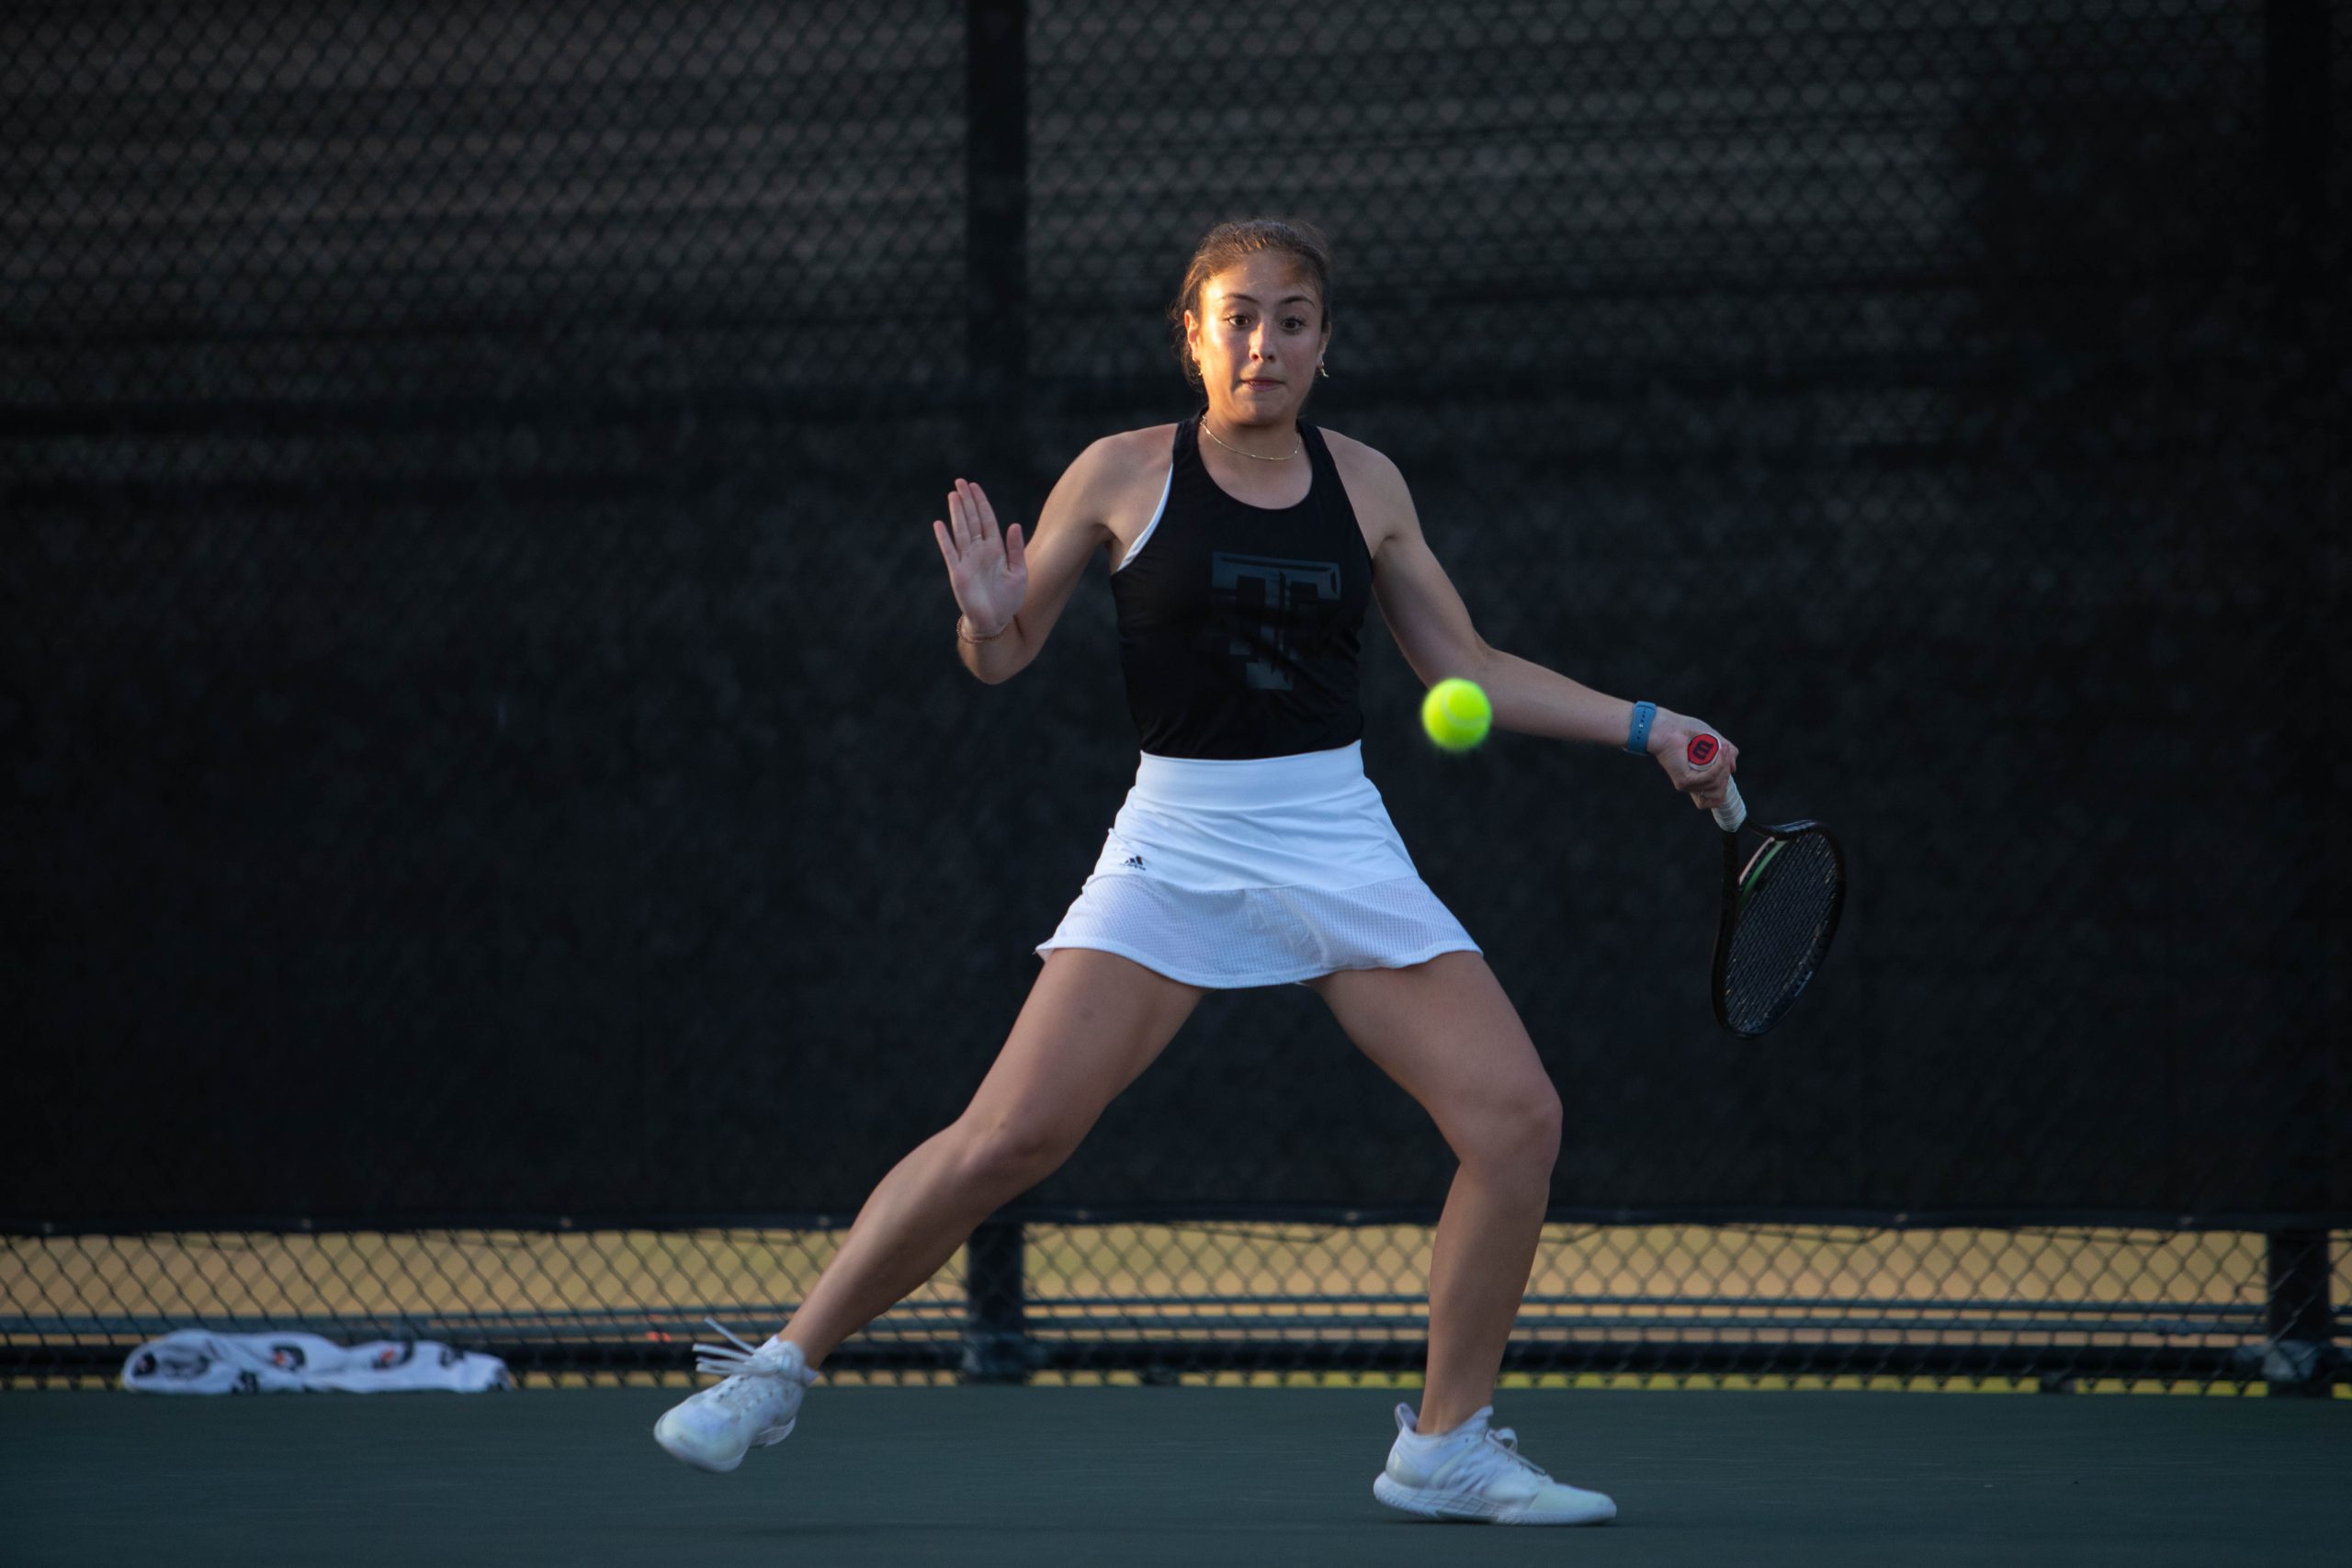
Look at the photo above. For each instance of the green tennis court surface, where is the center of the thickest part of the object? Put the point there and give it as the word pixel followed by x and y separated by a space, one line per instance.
pixel 1217 1478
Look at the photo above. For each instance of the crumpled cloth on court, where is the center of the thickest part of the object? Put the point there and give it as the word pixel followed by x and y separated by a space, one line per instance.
pixel 198 1360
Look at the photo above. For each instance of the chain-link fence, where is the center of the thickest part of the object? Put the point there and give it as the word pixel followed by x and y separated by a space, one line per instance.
pixel 1785 1305
pixel 491 800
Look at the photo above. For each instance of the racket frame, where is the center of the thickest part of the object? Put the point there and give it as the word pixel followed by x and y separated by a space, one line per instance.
pixel 1741 880
pixel 1737 875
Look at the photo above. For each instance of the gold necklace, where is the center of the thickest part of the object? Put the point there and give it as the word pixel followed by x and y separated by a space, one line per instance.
pixel 1253 457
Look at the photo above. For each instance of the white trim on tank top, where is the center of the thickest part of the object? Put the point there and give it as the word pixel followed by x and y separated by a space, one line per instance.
pixel 1161 511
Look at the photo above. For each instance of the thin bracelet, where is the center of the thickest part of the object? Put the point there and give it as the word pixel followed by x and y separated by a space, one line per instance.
pixel 964 636
pixel 1637 738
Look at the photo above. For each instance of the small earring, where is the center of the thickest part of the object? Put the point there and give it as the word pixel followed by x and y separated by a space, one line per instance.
pixel 1323 370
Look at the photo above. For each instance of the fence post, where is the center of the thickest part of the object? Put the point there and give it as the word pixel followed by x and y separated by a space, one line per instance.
pixel 996 233
pixel 2297 48
pixel 996 1335
pixel 2298 1359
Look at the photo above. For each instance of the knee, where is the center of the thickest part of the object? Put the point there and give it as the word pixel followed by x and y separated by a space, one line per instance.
pixel 1010 1154
pixel 1521 1133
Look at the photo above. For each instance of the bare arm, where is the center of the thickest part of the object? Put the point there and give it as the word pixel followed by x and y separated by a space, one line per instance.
pixel 1010 594
pixel 1433 629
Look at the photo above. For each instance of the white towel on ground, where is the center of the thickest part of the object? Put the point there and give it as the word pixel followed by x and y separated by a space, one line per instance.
pixel 198 1360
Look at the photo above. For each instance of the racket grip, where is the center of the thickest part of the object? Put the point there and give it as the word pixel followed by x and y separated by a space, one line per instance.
pixel 1732 813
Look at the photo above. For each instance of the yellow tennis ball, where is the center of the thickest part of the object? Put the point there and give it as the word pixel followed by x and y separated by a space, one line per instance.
pixel 1456 714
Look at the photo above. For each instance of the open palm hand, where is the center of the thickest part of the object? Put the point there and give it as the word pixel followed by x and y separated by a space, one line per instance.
pixel 988 571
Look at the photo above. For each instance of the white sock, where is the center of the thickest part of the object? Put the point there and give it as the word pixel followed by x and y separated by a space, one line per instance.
pixel 1416 1441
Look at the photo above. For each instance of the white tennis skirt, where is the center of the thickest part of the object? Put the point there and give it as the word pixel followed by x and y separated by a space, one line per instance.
pixel 1258 873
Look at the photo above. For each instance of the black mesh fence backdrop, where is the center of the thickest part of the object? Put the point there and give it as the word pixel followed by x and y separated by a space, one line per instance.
pixel 488 774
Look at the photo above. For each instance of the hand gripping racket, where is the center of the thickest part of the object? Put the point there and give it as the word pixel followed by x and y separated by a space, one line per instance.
pixel 1780 909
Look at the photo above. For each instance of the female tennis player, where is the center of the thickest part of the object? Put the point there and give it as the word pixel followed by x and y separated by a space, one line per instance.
pixel 1247 547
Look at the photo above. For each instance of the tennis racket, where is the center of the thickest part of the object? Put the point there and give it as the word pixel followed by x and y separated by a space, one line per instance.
pixel 1780 909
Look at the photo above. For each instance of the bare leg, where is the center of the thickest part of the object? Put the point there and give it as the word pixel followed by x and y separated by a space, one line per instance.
pixel 1445 1032
pixel 1092 1023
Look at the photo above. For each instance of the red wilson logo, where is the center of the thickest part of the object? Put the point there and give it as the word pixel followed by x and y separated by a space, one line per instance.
pixel 1702 751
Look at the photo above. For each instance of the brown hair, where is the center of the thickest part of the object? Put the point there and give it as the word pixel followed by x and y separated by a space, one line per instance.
pixel 1226 244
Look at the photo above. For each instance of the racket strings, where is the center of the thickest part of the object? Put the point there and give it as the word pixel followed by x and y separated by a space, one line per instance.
pixel 1788 911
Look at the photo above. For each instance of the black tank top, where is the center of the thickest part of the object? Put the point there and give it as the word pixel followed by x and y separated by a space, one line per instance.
pixel 1239 625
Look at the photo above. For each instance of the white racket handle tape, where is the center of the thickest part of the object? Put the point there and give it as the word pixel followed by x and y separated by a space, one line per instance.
pixel 1732 813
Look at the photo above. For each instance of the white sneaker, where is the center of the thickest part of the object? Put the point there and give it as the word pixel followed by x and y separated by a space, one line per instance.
pixel 755 1407
pixel 1475 1472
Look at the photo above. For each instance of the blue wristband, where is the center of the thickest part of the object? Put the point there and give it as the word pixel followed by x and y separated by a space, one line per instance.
pixel 1637 739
